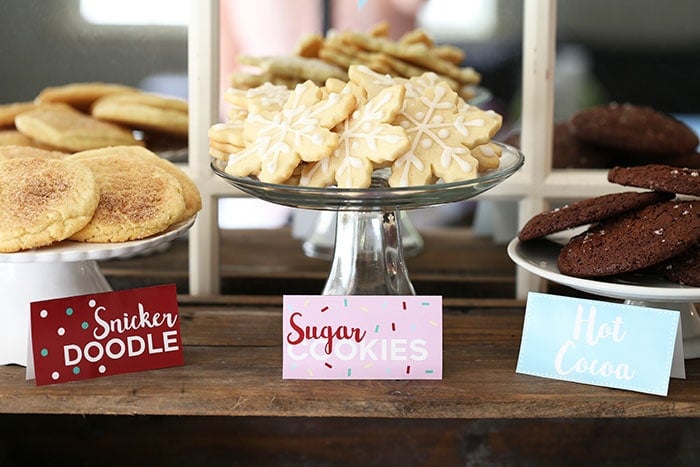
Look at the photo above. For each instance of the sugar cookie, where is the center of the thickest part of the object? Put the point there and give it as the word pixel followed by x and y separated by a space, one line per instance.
pixel 300 132
pixel 366 137
pixel 44 201
pixel 442 129
pixel 190 193
pixel 137 200
pixel 80 95
pixel 64 128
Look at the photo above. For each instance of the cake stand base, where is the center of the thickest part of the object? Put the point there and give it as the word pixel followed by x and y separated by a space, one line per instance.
pixel 368 254
pixel 23 283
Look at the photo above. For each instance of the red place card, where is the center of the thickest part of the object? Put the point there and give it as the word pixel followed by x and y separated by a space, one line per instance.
pixel 103 334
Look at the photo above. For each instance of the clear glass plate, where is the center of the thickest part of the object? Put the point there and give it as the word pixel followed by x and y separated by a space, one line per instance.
pixel 368 256
pixel 376 198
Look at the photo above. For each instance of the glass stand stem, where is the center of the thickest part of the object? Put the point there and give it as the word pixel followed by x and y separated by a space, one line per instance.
pixel 368 255
pixel 320 244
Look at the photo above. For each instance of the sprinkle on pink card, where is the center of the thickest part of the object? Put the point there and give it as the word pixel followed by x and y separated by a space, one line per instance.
pixel 362 337
pixel 104 334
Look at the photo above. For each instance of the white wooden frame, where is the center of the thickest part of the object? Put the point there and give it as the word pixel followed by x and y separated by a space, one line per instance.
pixel 533 187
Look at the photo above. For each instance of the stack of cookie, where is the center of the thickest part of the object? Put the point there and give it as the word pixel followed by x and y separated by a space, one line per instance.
pixel 655 231
pixel 338 134
pixel 113 194
pixel 318 58
pixel 82 116
pixel 605 136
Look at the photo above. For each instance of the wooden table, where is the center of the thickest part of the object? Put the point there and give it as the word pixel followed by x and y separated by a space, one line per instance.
pixel 229 401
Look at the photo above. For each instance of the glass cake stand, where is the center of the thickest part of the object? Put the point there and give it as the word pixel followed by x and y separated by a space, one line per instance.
pixel 641 289
pixel 60 270
pixel 368 257
pixel 320 243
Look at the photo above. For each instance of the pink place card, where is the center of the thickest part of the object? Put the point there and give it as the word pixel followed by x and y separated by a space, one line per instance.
pixel 362 337
pixel 103 334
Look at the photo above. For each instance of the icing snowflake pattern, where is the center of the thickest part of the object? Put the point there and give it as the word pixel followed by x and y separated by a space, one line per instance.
pixel 441 128
pixel 277 142
pixel 366 137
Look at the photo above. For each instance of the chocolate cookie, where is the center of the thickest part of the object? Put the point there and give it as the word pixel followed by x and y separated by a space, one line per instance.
pixel 684 268
pixel 633 241
pixel 588 211
pixel 570 153
pixel 658 177
pixel 633 128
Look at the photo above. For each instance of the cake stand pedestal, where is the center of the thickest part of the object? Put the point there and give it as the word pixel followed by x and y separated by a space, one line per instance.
pixel 368 255
pixel 321 242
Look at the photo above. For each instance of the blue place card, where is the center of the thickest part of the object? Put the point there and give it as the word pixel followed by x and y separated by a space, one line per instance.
pixel 600 343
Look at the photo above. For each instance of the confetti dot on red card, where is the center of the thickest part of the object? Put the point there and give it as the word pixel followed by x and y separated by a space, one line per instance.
pixel 92 303
pixel 60 331
pixel 44 352
pixel 69 311
pixel 102 369
pixel 55 375
pixel 44 313
pixel 84 325
pixel 76 370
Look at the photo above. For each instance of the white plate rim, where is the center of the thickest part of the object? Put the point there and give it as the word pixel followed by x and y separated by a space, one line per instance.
pixel 671 293
pixel 69 251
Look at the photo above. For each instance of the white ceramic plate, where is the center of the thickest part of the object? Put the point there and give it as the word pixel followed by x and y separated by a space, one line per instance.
pixel 68 251
pixel 540 257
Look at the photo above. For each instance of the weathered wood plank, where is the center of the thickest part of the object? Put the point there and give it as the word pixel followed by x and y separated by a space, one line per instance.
pixel 233 368
pixel 254 441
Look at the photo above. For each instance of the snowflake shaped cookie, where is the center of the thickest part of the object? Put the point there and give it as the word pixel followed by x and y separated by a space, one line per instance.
pixel 277 142
pixel 366 138
pixel 227 137
pixel 442 129
pixel 266 98
pixel 372 81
